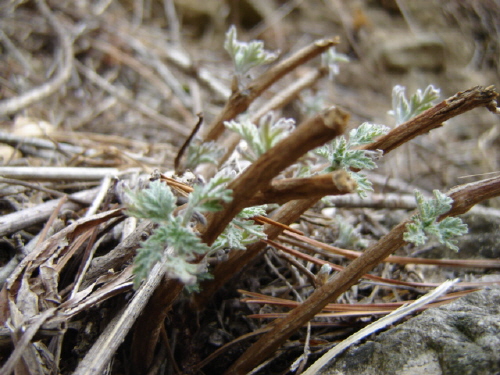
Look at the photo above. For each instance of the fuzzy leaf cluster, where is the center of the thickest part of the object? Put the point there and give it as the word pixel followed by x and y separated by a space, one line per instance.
pixel 173 240
pixel 241 231
pixel 260 139
pixel 149 253
pixel 425 223
pixel 341 153
pixel 404 109
pixel 208 197
pixel 155 203
pixel 349 236
pixel 246 55
pixel 331 59
pixel 201 153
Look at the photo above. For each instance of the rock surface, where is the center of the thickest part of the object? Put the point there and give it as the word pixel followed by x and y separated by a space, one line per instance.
pixel 460 338
pixel 407 52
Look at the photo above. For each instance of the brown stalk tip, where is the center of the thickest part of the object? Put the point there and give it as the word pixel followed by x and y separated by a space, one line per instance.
pixel 343 181
pixel 326 42
pixel 489 92
pixel 334 116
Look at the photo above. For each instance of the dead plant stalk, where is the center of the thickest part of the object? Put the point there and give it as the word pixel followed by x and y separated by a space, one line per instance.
pixel 464 198
pixel 428 120
pixel 311 134
pixel 241 100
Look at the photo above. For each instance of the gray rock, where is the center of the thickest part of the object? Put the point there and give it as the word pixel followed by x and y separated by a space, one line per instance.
pixel 408 52
pixel 460 338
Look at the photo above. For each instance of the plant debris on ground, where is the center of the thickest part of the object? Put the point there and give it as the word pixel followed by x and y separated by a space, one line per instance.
pixel 191 187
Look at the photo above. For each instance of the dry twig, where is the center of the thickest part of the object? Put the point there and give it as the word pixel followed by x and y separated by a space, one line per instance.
pixel 35 215
pixel 12 105
pixel 241 100
pixel 434 117
pixel 464 198
pixel 309 135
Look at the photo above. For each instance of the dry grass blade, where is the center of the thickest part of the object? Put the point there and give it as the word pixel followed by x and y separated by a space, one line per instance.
pixel 364 308
pixel 374 278
pixel 25 340
pixel 351 254
pixel 59 241
pixel 32 290
pixel 99 356
pixel 379 324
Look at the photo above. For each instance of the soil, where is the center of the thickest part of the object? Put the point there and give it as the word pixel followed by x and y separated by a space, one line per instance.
pixel 129 101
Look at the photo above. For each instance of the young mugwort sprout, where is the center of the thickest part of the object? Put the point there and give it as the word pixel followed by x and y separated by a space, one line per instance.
pixel 425 223
pixel 175 240
pixel 403 110
pixel 341 153
pixel 331 59
pixel 262 138
pixel 246 55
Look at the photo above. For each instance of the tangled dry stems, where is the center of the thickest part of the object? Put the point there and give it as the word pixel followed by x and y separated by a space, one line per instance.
pixel 34 295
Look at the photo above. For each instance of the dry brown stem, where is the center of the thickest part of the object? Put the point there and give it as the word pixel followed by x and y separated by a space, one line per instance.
pixel 289 93
pixel 287 214
pixel 241 100
pixel 310 189
pixel 151 321
pixel 282 191
pixel 464 198
pixel 434 117
pixel 309 135
pixel 421 124
pixel 277 101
